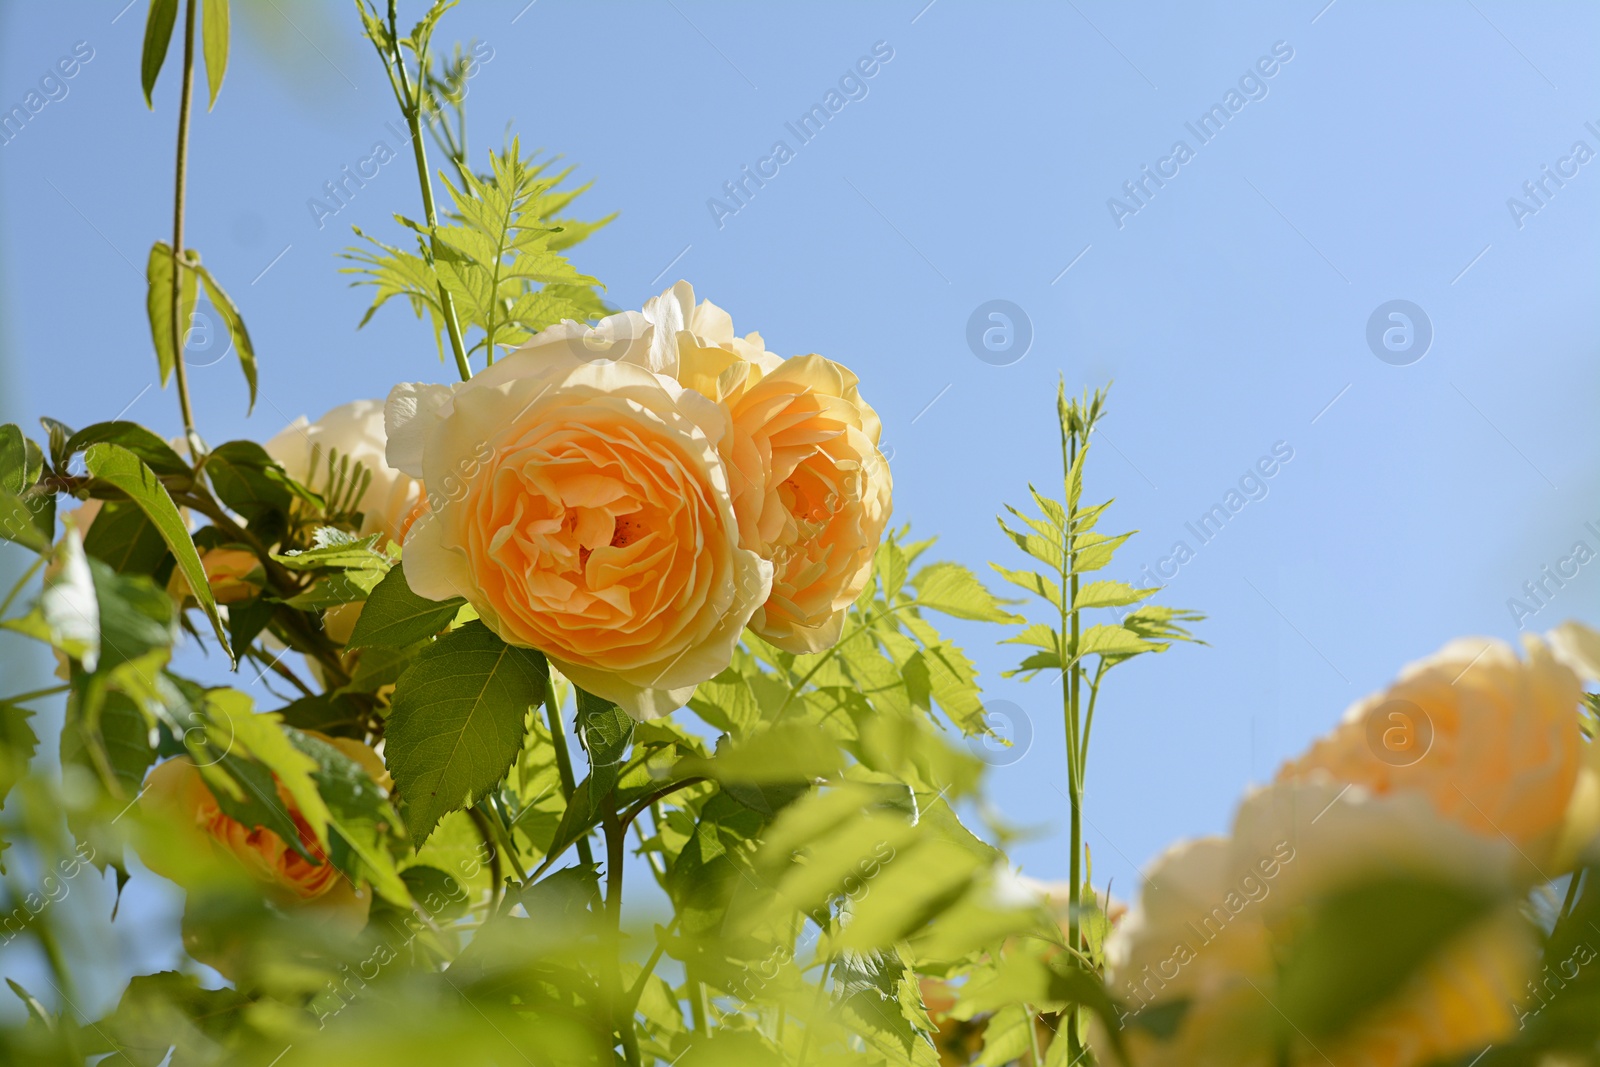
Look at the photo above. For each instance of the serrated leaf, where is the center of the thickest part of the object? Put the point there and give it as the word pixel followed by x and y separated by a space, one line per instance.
pixel 1108 594
pixel 1039 635
pixel 1110 640
pixel 1047 552
pixel 394 616
pixel 1039 526
pixel 954 590
pixel 1091 552
pixel 119 467
pixel 1037 584
pixel 458 719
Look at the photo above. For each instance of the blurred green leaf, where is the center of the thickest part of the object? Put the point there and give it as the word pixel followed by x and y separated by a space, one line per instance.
pixel 215 44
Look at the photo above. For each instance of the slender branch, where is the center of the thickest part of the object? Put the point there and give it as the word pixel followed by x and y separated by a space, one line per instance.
pixel 569 782
pixel 496 880
pixel 621 1014
pixel 38 694
pixel 660 794
pixel 411 104
pixel 196 449
pixel 276 665
pixel 1069 696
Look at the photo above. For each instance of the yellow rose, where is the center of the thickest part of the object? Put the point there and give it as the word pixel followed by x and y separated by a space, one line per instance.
pixel 234 574
pixel 355 430
pixel 1492 741
pixel 811 490
pixel 582 508
pixel 1217 915
pixel 175 791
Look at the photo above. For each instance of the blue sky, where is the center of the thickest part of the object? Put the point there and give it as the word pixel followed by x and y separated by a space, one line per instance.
pixel 978 162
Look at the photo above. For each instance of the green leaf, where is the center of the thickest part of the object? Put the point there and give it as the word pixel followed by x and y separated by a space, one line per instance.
pixel 215 30
pixel 892 565
pixel 366 830
pixel 1107 594
pixel 727 702
pixel 122 731
pixel 158 297
pixel 15 475
pixel 252 485
pixel 119 467
pixel 606 732
pixel 1047 552
pixel 1110 640
pixel 123 537
pixel 394 616
pixel 1037 584
pixel 1364 943
pixel 156 453
pixel 234 726
pixel 954 590
pixel 458 719
pixel 19 520
pixel 1090 552
pixel 1038 635
pixel 214 292
pixel 157 35
pixel 18 744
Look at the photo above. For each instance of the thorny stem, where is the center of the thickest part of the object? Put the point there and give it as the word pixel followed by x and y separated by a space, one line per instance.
pixel 196 449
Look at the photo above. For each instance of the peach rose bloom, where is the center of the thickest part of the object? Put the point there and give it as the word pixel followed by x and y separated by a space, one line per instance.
pixel 583 509
pixel 234 574
pixel 1492 741
pixel 356 430
pixel 811 489
pixel 1216 916
pixel 176 791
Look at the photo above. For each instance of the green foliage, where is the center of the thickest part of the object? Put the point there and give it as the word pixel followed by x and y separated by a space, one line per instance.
pixel 394 616
pixel 460 714
pixel 120 468
pixel 498 261
pixel 160 270
pixel 157 36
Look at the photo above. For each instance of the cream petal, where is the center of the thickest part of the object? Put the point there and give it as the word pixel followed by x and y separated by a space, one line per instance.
pixel 412 411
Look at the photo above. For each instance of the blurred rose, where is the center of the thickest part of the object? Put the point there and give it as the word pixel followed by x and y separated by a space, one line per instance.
pixel 176 792
pixel 1492 741
pixel 1218 915
pixel 234 574
pixel 355 430
pixel 582 509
